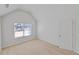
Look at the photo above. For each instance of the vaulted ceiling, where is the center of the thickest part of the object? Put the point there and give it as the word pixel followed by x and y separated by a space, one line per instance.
pixel 4 9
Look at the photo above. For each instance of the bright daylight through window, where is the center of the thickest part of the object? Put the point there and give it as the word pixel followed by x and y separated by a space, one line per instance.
pixel 22 29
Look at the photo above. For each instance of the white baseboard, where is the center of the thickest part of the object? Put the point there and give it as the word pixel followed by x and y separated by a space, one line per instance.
pixel 76 51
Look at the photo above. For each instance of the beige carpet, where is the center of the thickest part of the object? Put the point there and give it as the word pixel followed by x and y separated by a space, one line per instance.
pixel 35 47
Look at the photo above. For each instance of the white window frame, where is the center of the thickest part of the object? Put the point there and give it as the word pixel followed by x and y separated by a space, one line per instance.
pixel 24 27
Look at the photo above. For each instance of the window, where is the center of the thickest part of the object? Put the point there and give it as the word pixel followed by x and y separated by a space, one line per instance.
pixel 27 29
pixel 21 29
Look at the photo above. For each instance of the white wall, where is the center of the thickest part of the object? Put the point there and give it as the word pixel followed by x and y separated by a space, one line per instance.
pixel 0 34
pixel 47 21
pixel 65 33
pixel 54 20
pixel 17 16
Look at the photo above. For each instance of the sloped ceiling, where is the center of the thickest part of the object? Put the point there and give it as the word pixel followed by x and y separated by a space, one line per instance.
pixel 4 10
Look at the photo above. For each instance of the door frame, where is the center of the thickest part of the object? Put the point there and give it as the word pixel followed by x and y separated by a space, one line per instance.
pixel 74 34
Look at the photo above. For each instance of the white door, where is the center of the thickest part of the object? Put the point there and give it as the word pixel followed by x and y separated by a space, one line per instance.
pixel 0 35
pixel 76 43
pixel 65 33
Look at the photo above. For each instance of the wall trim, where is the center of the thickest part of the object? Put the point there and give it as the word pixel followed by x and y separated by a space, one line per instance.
pixel 76 51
